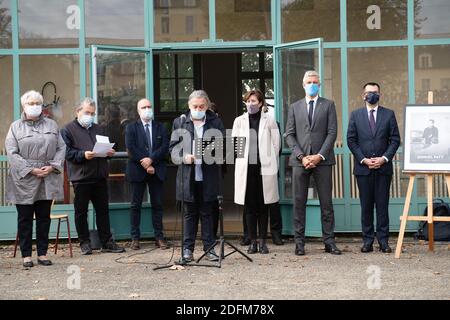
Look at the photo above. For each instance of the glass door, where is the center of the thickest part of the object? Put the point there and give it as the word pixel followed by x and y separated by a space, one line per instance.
pixel 120 77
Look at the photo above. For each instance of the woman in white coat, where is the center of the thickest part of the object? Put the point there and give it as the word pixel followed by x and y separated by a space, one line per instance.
pixel 256 180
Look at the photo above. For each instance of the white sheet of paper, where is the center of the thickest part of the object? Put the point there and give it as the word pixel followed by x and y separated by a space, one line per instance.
pixel 101 149
pixel 102 139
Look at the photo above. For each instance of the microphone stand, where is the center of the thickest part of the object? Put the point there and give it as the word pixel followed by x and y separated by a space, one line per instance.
pixel 221 241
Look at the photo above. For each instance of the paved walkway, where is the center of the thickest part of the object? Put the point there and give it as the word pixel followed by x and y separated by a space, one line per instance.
pixel 278 275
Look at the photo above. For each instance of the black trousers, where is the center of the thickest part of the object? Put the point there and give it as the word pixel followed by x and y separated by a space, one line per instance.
pixel 323 179
pixel 193 212
pixel 97 193
pixel 256 212
pixel 41 209
pixel 374 193
pixel 155 188
pixel 276 223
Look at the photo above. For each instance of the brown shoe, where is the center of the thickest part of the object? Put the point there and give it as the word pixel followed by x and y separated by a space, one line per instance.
pixel 161 244
pixel 135 245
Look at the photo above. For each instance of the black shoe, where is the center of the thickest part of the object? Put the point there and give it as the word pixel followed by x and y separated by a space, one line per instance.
pixel 253 248
pixel 331 248
pixel 188 256
pixel 367 248
pixel 277 240
pixel 245 242
pixel 112 247
pixel 212 255
pixel 28 264
pixel 86 248
pixel 44 262
pixel 299 250
pixel 263 247
pixel 385 248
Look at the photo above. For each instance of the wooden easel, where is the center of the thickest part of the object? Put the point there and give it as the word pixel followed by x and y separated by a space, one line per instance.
pixel 429 217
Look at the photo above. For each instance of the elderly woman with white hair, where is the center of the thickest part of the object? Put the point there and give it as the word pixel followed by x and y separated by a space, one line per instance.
pixel 35 152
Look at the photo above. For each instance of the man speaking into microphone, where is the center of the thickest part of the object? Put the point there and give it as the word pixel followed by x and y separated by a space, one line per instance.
pixel 198 186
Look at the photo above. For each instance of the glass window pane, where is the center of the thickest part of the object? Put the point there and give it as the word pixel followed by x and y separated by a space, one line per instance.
pixel 391 74
pixel 268 61
pixel 48 23
pixel 185 88
pixel 250 84
pixel 432 19
pixel 167 65
pixel 306 19
pixel 171 20
pixel 432 73
pixel 6 96
pixel 115 22
pixel 270 94
pixel 185 66
pixel 243 20
pixel 5 24
pixel 120 84
pixel 168 98
pixel 64 73
pixel 376 20
pixel 250 62
pixel 332 85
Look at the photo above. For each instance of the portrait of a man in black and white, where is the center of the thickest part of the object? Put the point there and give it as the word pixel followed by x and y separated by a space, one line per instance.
pixel 431 134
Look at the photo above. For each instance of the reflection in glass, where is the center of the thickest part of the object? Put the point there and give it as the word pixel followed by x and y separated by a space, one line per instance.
pixel 307 19
pixel 5 24
pixel 294 64
pixel 432 19
pixel 432 73
pixel 48 23
pixel 243 20
pixel 115 22
pixel 63 72
pixel 185 66
pixel 181 20
pixel 268 61
pixel 391 74
pixel 250 84
pixel 120 85
pixel 167 65
pixel 185 88
pixel 6 96
pixel 250 62
pixel 332 86
pixel 376 20
pixel 168 97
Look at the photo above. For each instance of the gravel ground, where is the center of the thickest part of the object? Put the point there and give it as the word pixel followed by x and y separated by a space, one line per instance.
pixel 418 274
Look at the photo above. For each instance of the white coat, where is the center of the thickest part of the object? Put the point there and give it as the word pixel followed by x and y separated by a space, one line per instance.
pixel 269 147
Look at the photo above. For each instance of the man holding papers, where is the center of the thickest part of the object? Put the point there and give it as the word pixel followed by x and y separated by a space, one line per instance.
pixel 88 173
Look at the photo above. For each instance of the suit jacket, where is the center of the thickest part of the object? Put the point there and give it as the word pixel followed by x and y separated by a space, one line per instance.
pixel 304 139
pixel 363 144
pixel 137 148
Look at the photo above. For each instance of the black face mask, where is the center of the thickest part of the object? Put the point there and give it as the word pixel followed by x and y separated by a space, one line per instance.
pixel 373 98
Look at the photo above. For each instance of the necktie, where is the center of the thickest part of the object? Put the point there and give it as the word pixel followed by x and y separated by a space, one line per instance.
pixel 310 113
pixel 149 139
pixel 372 122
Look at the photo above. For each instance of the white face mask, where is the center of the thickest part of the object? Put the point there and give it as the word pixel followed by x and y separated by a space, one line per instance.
pixel 33 111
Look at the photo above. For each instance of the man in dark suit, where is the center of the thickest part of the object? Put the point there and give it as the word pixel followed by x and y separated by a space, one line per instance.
pixel 147 144
pixel 311 131
pixel 373 138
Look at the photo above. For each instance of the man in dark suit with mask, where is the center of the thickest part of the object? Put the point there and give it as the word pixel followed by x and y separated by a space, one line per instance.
pixel 311 131
pixel 373 138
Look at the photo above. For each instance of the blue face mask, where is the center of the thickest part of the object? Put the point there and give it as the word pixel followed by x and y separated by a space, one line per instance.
pixel 198 115
pixel 312 89
pixel 86 120
pixel 147 114
pixel 373 98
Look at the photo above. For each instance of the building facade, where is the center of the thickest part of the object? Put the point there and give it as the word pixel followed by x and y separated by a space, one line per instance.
pixel 119 51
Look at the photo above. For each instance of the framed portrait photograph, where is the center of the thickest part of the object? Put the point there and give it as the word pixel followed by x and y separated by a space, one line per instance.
pixel 427 138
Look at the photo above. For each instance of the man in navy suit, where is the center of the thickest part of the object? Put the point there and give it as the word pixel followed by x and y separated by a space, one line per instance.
pixel 147 144
pixel 373 138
